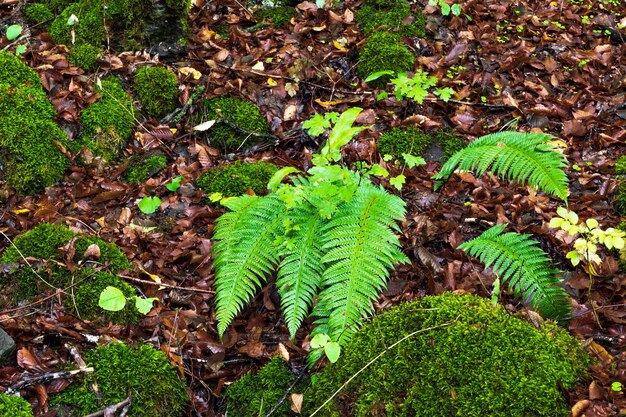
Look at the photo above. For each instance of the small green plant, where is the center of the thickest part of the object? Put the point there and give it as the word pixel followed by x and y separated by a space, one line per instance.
pixel 149 205
pixel 12 33
pixel 523 157
pixel 174 184
pixel 14 406
pixel 330 235
pixel 446 9
pixel 331 349
pixel 113 299
pixel 616 386
pixel 415 87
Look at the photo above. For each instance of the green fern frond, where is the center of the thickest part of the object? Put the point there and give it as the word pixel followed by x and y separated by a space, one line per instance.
pixel 244 252
pixel 300 272
pixel 527 158
pixel 361 248
pixel 524 267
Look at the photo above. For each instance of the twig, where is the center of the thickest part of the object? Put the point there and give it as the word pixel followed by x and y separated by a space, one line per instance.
pixel 123 405
pixel 159 284
pixel 284 397
pixel 175 116
pixel 44 378
pixel 345 384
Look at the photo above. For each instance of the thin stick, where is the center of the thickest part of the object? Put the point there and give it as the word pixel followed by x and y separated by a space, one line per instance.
pixel 124 405
pixel 345 384
pixel 157 284
pixel 43 378
pixel 284 397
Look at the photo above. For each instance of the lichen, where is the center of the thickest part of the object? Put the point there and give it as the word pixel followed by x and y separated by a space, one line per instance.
pixel 29 156
pixel 120 371
pixel 462 356
pixel 107 123
pixel 85 56
pixel 399 141
pixel 390 16
pixel 384 51
pixel 156 89
pixel 14 406
pixel 255 394
pixel 236 178
pixel 279 16
pixel 620 165
pixel 242 113
pixel 37 13
pixel 139 170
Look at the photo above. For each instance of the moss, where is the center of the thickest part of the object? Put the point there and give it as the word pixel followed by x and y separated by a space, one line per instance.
pixel 479 361
pixel 30 159
pixel 57 6
pixel 107 123
pixel 40 242
pixel 620 165
pixel 279 16
pixel 120 370
pixel 620 199
pixel 84 298
pixel 256 394
pixel 85 56
pixel 37 13
pixel 242 113
pixel 384 51
pixel 398 141
pixel 110 254
pixel 88 30
pixel 140 170
pixel 14 406
pixel 156 89
pixel 235 179
pixel 372 18
pixel 450 144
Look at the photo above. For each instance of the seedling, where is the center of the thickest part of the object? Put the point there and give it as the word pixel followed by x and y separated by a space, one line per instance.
pixel 174 184
pixel 149 205
pixel 113 299
pixel 331 349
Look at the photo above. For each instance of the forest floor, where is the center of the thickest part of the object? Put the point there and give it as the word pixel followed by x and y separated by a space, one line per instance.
pixel 523 65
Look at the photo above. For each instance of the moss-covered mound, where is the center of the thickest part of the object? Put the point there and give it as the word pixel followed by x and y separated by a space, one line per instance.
pixel 37 13
pixel 384 51
pixel 43 243
pixel 399 141
pixel 140 169
pixel 256 394
pixel 85 56
pixel 107 123
pixel 393 16
pixel 450 144
pixel 156 89
pixel 462 357
pixel 278 16
pixel 620 165
pixel 29 157
pixel 620 199
pixel 235 179
pixel 13 406
pixel 243 113
pixel 119 371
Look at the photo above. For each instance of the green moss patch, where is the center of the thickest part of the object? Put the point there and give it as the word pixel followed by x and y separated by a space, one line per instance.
pixel 476 360
pixel 384 51
pixel 140 169
pixel 156 89
pixel 279 16
pixel 37 13
pixel 235 179
pixel 13 406
pixel 390 16
pixel 620 199
pixel 31 160
pixel 107 123
pixel 255 394
pixel 620 165
pixel 85 56
pixel 399 141
pixel 120 370
pixel 450 144
pixel 242 113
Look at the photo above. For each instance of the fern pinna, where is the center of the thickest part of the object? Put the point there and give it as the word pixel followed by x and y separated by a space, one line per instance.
pixel 528 158
pixel 520 263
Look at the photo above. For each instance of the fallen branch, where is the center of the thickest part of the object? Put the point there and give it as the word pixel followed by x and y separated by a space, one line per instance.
pixel 44 378
pixel 160 284
pixel 110 411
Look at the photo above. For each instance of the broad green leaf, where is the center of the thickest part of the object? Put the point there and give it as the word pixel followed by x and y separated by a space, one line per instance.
pixel 456 9
pixel 316 125
pixel 20 49
pixel 382 95
pixel 149 205
pixel 562 211
pixel 387 157
pixel 13 32
pixel 445 8
pixel 144 305
pixel 378 74
pixel 332 350
pixel 72 20
pixel 398 181
pixel 175 183
pixel 279 175
pixel 378 171
pixel 319 341
pixel 445 94
pixel 215 197
pixel 112 299
pixel 413 161
pixel 342 133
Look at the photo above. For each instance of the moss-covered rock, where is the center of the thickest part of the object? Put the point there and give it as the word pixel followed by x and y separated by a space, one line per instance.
pixel 89 29
pixel 390 16
pixel 255 394
pixel 29 157
pixel 156 89
pixel 620 165
pixel 242 113
pixel 120 370
pixel 399 141
pixel 140 169
pixel 620 199
pixel 13 406
pixel 107 123
pixel 279 16
pixel 37 13
pixel 450 144
pixel 462 356
pixel 384 51
pixel 56 6
pixel 235 179
pixel 85 56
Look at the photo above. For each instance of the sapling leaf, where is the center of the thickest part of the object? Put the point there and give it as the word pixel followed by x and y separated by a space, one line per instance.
pixel 456 9
pixel 149 205
pixel 378 74
pixel 13 32
pixel 20 49
pixel 319 341
pixel 332 351
pixel 175 183
pixel 413 161
pixel 398 181
pixel 112 299
pixel 144 305
pixel 279 175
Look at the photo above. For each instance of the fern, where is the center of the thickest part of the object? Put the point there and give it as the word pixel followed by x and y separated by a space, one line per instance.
pixel 526 269
pixel 527 158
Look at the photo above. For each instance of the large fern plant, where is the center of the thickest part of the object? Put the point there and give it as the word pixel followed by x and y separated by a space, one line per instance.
pixel 528 158
pixel 329 236
pixel 524 267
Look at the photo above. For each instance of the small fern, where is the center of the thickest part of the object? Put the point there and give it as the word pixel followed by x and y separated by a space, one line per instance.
pixel 527 158
pixel 520 263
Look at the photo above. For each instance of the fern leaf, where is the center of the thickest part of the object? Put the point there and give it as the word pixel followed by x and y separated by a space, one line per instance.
pixel 300 272
pixel 243 253
pixel 361 248
pixel 526 158
pixel 524 267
